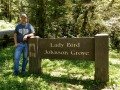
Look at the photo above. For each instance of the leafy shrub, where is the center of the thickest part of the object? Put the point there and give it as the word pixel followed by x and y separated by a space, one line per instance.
pixel 115 39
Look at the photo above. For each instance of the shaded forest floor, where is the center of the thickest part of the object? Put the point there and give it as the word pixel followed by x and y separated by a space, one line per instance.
pixel 58 74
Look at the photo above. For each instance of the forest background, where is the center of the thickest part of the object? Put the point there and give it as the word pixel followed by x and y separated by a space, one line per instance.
pixel 66 18
pixel 62 19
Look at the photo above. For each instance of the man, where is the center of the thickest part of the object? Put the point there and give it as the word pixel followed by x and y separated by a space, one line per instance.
pixel 22 32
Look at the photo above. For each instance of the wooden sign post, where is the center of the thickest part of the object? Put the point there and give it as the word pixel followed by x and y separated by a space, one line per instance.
pixel 85 48
pixel 101 57
pixel 34 57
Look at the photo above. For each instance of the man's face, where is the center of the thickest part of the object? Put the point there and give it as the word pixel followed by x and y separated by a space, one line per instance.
pixel 23 20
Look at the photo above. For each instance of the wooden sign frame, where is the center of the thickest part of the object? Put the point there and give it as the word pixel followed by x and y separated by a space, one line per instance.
pixel 84 48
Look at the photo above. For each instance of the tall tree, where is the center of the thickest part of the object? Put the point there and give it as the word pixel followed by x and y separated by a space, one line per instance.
pixel 37 16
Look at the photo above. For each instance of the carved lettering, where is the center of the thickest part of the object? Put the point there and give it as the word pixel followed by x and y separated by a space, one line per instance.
pixel 56 52
pixel 73 44
pixel 79 53
pixel 57 45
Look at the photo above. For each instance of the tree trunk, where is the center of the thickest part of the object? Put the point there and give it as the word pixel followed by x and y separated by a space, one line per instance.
pixel 40 13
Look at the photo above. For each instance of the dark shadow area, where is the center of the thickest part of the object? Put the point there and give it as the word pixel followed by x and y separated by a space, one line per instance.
pixel 5 41
pixel 11 83
pixel 6 53
pixel 87 84
pixel 6 57
pixel 22 75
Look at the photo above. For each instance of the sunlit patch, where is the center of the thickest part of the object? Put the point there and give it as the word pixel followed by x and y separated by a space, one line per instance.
pixel 115 61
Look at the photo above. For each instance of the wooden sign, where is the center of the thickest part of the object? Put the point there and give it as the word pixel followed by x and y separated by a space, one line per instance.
pixel 85 48
pixel 67 48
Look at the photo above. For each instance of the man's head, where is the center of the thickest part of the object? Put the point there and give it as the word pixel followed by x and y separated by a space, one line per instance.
pixel 23 18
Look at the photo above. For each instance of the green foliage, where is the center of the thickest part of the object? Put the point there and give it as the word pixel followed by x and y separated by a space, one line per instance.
pixel 115 40
pixel 37 15
pixel 57 74
pixel 80 19
pixel 10 9
pixel 66 18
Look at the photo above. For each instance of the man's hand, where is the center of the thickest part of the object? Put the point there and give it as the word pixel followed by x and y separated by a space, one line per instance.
pixel 15 45
pixel 25 37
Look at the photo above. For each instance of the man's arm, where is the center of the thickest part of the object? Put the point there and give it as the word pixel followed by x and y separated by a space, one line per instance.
pixel 15 40
pixel 28 35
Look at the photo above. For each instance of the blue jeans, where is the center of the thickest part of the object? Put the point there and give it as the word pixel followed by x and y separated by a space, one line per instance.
pixel 21 48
